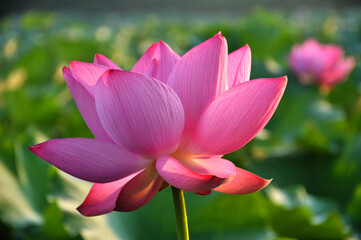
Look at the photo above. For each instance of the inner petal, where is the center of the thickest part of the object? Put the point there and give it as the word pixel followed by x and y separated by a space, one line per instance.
pixel 207 165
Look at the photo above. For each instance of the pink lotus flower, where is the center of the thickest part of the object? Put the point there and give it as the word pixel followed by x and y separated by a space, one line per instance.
pixel 168 121
pixel 325 65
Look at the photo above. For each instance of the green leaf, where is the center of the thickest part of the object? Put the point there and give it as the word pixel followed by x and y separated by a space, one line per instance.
pixel 31 174
pixel 69 192
pixel 15 208
pixel 297 215
pixel 233 216
pixel 354 208
pixel 53 226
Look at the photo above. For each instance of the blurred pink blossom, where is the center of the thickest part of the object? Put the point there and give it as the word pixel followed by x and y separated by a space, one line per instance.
pixel 168 121
pixel 325 64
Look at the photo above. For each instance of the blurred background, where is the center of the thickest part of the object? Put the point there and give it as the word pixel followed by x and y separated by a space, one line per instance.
pixel 311 147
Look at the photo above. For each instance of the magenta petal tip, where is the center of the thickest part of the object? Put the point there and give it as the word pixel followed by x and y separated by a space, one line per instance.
pixel 65 69
pixel 83 211
pixel 282 81
pixel 285 80
pixel 266 183
pixel 220 36
pixel 87 211
pixel 98 55
pixel 34 148
pixel 243 183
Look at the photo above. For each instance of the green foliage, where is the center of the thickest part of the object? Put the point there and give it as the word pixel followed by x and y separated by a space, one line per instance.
pixel 312 142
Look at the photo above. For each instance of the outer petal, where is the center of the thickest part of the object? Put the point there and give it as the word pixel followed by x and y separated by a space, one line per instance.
pixel 297 61
pixel 87 73
pixel 139 191
pixel 178 175
pixel 90 159
pixel 139 112
pixel 198 78
pixel 124 195
pixel 338 73
pixel 307 58
pixel 103 196
pixel 346 66
pixel 239 66
pixel 331 54
pixel 158 61
pixel 99 59
pixel 146 60
pixel 86 105
pixel 244 182
pixel 237 116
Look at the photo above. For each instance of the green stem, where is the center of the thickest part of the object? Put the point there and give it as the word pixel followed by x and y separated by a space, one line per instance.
pixel 180 213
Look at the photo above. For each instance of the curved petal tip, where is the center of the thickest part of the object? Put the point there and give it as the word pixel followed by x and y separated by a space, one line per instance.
pixel 243 183
pixel 266 183
pixel 219 36
pixel 65 69
pixel 34 148
pixel 285 79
